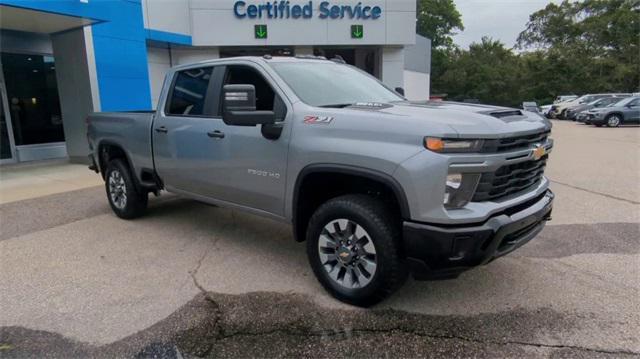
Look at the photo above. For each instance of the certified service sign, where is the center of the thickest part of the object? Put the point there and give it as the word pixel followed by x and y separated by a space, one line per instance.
pixel 286 10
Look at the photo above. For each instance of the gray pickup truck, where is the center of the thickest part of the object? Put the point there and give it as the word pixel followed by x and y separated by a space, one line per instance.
pixel 377 186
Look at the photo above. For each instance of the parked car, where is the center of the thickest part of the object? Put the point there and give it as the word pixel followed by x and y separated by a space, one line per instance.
pixel 574 112
pixel 622 112
pixel 559 110
pixel 377 186
pixel 531 107
pixel 544 109
pixel 565 98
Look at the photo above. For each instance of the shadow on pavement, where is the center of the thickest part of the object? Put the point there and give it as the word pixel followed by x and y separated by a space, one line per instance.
pixel 288 325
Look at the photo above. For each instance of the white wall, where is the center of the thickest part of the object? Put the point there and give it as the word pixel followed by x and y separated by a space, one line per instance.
pixel 416 85
pixel 393 66
pixel 159 62
pixel 167 15
pixel 213 23
pixel 189 55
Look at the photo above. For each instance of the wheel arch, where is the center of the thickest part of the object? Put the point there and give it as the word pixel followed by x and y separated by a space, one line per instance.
pixel 302 210
pixel 109 150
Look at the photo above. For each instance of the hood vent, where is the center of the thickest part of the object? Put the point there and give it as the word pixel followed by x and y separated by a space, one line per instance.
pixel 370 105
pixel 507 113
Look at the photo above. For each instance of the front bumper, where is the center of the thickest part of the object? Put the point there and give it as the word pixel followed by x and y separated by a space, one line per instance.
pixel 443 252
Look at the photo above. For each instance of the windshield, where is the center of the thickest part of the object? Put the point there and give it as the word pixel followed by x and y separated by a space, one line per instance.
pixel 586 99
pixel 333 85
pixel 623 102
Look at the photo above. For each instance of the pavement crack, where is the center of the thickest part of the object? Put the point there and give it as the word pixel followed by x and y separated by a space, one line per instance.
pixel 194 272
pixel 595 192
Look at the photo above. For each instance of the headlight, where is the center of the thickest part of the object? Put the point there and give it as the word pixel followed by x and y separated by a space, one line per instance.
pixel 452 146
pixel 460 188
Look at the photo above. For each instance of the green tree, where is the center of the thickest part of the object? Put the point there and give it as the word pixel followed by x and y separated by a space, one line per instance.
pixel 593 45
pixel 438 20
pixel 488 72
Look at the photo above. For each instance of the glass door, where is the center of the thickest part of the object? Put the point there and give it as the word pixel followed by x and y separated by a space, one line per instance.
pixel 7 147
pixel 33 101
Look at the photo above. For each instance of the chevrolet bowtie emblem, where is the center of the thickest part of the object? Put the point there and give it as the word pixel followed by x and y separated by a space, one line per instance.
pixel 343 255
pixel 539 152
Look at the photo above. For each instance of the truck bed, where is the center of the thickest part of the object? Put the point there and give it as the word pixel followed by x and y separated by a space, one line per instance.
pixel 131 131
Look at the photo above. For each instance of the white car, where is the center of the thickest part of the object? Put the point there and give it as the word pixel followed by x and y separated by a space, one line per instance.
pixel 565 98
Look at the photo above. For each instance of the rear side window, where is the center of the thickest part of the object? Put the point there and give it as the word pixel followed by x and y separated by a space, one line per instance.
pixel 188 95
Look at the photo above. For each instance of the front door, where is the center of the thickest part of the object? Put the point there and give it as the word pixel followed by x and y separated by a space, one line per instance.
pixel 255 166
pixel 632 112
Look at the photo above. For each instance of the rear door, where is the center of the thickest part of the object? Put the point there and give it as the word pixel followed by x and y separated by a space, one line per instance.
pixel 186 154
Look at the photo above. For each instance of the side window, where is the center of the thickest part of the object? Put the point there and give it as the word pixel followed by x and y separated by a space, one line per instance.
pixel 635 103
pixel 245 75
pixel 189 93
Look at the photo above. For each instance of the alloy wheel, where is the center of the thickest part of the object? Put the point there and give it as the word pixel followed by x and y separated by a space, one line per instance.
pixel 613 121
pixel 117 189
pixel 347 253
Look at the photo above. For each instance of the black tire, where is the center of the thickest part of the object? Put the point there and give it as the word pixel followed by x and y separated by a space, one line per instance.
pixel 613 120
pixel 135 202
pixel 383 229
pixel 563 114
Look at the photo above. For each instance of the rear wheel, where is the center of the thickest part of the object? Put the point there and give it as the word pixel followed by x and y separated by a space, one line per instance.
pixel 353 248
pixel 124 198
pixel 563 115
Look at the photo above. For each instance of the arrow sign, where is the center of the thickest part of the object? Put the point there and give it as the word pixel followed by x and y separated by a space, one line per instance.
pixel 357 31
pixel 260 31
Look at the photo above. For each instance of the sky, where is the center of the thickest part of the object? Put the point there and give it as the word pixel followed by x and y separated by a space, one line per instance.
pixel 500 19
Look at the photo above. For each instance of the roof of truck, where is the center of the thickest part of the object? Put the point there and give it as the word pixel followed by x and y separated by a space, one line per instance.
pixel 266 59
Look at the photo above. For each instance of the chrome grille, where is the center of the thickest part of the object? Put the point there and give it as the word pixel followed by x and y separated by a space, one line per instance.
pixel 509 179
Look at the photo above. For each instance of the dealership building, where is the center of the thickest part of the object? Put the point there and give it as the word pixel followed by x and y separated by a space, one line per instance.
pixel 60 60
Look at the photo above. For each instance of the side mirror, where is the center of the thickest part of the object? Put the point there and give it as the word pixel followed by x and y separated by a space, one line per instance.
pixel 239 107
pixel 400 90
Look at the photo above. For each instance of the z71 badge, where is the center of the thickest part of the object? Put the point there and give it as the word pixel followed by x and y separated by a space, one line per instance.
pixel 318 120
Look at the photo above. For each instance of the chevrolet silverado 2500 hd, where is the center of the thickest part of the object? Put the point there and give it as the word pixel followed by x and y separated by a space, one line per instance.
pixel 377 186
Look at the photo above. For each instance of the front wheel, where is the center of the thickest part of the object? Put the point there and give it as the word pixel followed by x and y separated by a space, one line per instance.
pixel 614 121
pixel 124 198
pixel 354 251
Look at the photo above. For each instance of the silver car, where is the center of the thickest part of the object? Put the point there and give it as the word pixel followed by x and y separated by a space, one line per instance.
pixel 578 112
pixel 622 112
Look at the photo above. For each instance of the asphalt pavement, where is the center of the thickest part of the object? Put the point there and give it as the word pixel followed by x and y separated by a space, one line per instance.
pixel 191 280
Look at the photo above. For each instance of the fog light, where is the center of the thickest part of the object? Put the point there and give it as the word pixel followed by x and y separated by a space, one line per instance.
pixel 460 188
pixel 454 180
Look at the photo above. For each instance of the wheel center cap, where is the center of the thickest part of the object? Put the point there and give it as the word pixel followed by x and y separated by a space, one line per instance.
pixel 344 255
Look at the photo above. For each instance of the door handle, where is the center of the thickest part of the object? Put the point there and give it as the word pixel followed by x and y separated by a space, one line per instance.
pixel 162 129
pixel 216 134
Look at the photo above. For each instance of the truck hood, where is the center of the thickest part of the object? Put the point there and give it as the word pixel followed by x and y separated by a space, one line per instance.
pixel 459 119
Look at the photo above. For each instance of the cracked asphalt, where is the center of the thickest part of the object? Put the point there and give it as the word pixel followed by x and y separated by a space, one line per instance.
pixel 190 280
